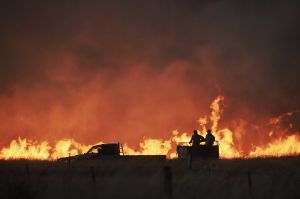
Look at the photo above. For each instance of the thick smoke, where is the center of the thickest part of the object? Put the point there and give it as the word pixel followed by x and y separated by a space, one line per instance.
pixel 122 70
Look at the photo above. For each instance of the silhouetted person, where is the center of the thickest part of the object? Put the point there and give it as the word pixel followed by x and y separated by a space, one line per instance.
pixel 196 139
pixel 209 138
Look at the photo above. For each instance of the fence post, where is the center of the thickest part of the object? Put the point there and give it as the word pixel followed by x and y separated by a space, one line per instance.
pixel 69 161
pixel 249 177
pixel 190 160
pixel 168 185
pixel 93 174
pixel 27 170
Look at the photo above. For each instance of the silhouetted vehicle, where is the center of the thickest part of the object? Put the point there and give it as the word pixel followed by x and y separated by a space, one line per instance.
pixel 98 151
pixel 185 150
pixel 108 151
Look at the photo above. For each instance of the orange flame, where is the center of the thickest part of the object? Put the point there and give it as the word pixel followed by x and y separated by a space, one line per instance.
pixel 150 147
pixel 216 112
pixel 67 147
pixel 279 147
pixel 26 149
pixel 289 145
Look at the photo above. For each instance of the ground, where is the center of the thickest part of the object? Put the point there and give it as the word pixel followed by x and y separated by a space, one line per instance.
pixel 143 178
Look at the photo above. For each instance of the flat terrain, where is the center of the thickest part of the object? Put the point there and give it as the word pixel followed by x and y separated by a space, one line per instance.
pixel 253 178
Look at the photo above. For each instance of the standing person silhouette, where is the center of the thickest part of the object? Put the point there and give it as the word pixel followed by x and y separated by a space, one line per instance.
pixel 196 139
pixel 209 138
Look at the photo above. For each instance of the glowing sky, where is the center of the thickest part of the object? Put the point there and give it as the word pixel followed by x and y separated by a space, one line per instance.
pixel 122 70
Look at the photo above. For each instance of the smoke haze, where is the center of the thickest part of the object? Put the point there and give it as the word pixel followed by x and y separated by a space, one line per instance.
pixel 124 70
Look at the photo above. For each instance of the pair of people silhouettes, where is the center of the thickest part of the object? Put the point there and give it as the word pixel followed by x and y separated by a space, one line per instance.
pixel 197 139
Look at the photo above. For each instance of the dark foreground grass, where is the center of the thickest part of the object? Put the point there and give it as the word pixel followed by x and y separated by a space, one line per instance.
pixel 253 178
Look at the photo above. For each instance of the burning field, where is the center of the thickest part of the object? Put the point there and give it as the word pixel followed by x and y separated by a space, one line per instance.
pixel 284 145
pixel 146 75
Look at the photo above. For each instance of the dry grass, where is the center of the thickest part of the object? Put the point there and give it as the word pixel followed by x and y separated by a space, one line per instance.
pixel 254 178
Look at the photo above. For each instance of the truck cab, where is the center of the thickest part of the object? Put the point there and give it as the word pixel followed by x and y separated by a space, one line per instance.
pixel 98 152
pixel 114 149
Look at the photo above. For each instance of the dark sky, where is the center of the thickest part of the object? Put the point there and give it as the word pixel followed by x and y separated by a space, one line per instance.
pixel 128 69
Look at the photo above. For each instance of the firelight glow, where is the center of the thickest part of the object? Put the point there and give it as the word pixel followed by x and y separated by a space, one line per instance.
pixel 23 148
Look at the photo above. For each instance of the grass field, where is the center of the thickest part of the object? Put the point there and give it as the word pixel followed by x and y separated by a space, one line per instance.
pixel 252 178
